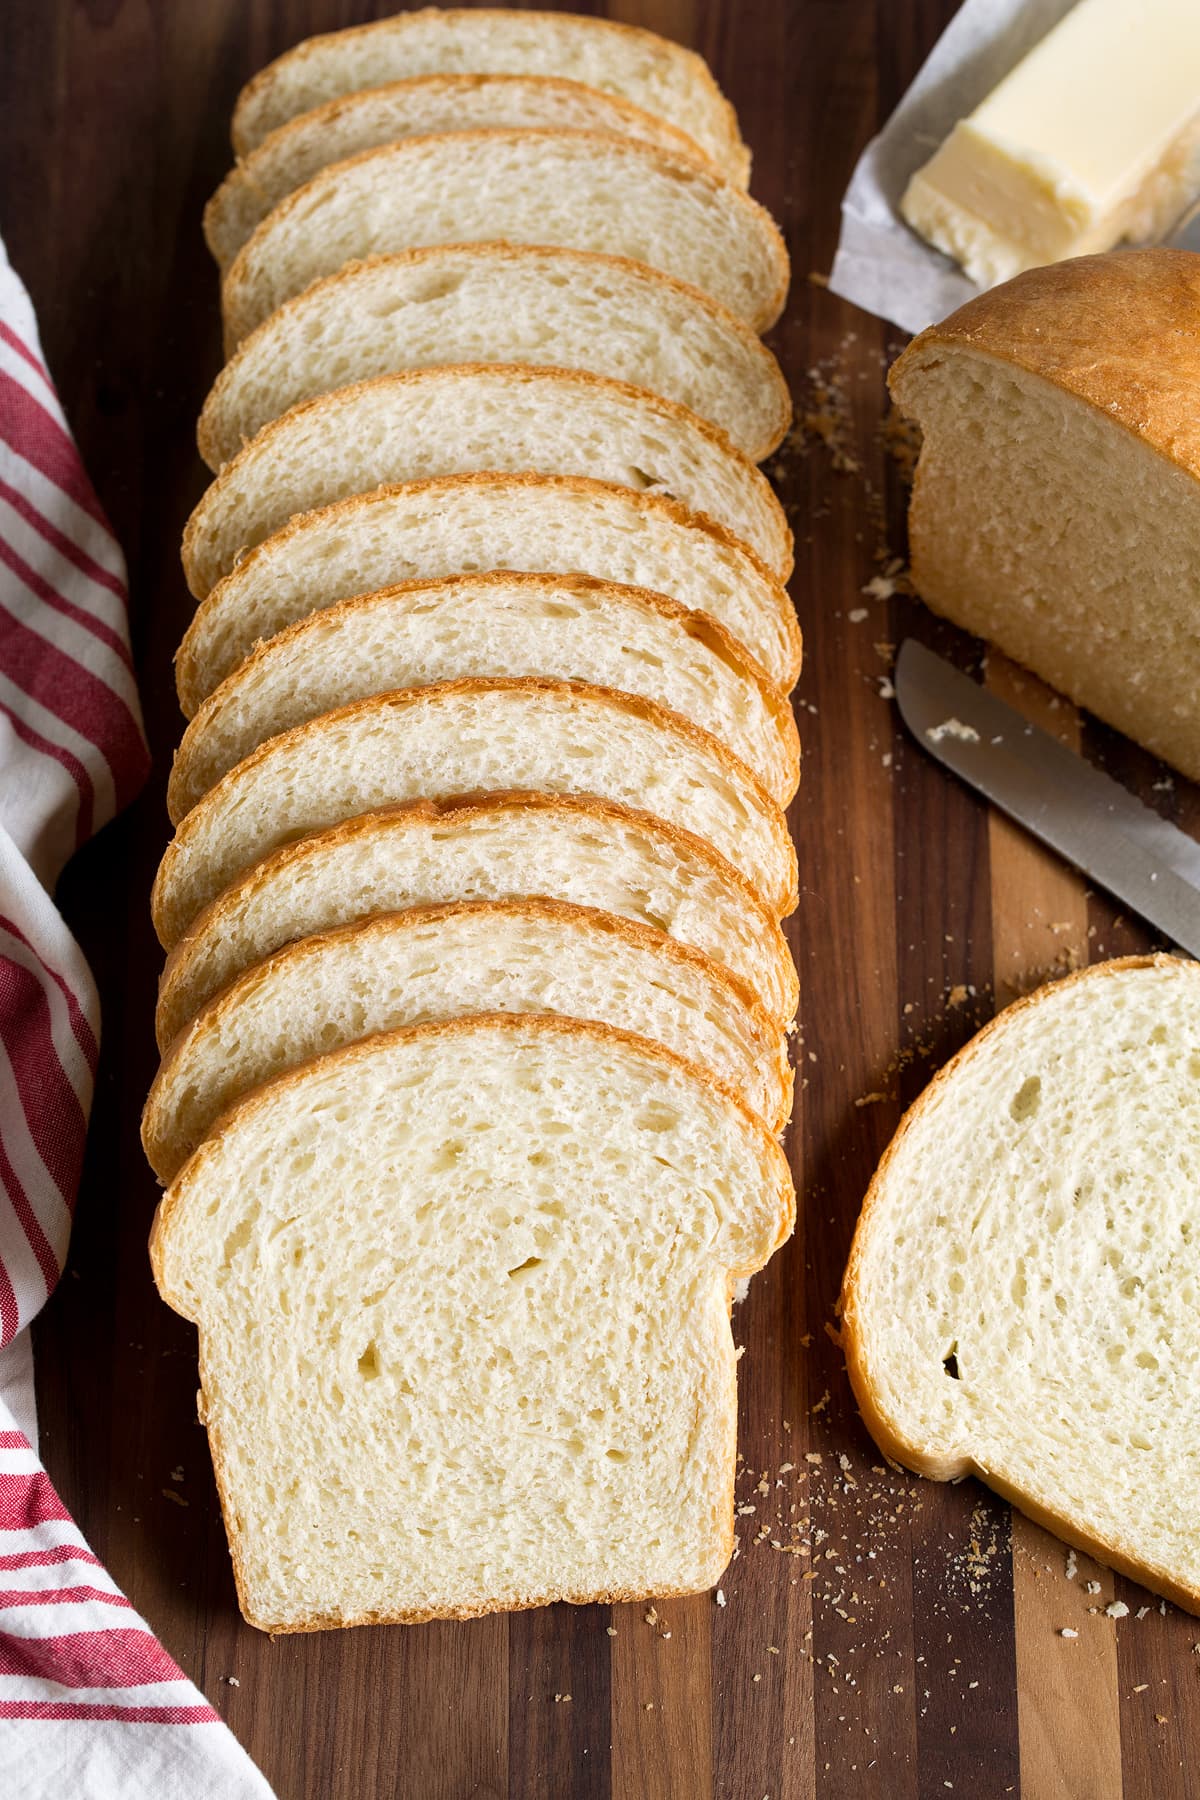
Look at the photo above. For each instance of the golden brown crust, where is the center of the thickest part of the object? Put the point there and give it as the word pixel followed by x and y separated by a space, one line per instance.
pixel 514 375
pixel 189 677
pixel 781 896
pixel 623 116
pixel 698 71
pixel 1120 331
pixel 770 1045
pixel 238 298
pixel 452 813
pixel 211 439
pixel 182 787
pixel 946 1467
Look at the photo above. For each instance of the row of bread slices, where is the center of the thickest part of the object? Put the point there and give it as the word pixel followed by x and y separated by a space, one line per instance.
pixel 487 697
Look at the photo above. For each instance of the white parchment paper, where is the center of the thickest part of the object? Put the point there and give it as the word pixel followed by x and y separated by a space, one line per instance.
pixel 881 264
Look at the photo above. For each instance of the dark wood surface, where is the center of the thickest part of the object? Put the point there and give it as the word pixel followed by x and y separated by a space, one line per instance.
pixel 915 1650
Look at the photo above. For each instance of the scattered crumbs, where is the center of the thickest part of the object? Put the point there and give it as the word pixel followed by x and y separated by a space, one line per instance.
pixel 881 587
pixel 1141 1687
pixel 176 1499
pixel 952 728
pixel 1142 1611
pixel 1117 1609
pixel 649 1706
pixel 815 279
pixel 720 1597
pixel 1067 1632
pixel 1160 1718
pixel 858 615
pixel 1092 1587
pixel 958 997
pixel 739 1353
pixel 813 1456
pixel 232 1680
pixel 886 689
pixel 177 1473
pixel 772 1649
pixel 561 1699
pixel 651 1615
pixel 756 1678
pixel 876 1098
pixel 611 1630
pixel 1072 1565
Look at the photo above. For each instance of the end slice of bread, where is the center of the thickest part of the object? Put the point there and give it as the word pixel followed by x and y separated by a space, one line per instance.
pixel 638 66
pixel 1020 1300
pixel 468 418
pixel 566 627
pixel 463 1300
pixel 500 847
pixel 463 524
pixel 422 106
pixel 501 303
pixel 512 956
pixel 468 737
pixel 581 189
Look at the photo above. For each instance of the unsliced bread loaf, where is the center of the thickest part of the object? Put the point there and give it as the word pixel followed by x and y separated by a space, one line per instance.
pixel 638 66
pixel 511 956
pixel 500 303
pixel 1056 509
pixel 464 524
pixel 501 847
pixel 578 188
pixel 463 1298
pixel 472 737
pixel 569 627
pixel 1020 1301
pixel 467 418
pixel 423 107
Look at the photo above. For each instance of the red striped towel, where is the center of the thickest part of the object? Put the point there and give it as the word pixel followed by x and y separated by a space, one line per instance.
pixel 91 1705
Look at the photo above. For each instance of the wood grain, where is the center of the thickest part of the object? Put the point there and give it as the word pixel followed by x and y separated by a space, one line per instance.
pixel 882 1638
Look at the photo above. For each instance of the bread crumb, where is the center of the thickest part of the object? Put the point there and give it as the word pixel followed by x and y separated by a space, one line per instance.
pixel 952 728
pixel 561 1699
pixel 1072 1565
pixel 720 1597
pixel 612 1630
pixel 1067 1632
pixel 651 1615
pixel 176 1499
pixel 232 1680
pixel 1092 1587
pixel 1117 1609
pixel 1141 1687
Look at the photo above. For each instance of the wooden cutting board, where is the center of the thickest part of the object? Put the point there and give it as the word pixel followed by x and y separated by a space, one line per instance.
pixel 877 1636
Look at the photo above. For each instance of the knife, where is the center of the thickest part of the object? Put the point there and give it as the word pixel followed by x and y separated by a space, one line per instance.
pixel 1085 816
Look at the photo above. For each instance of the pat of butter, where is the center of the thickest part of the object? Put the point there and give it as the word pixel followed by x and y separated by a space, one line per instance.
pixel 1092 139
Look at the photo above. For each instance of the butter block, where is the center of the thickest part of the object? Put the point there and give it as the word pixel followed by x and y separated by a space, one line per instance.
pixel 1093 139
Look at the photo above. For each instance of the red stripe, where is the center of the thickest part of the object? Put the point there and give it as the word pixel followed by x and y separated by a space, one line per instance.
pixel 57 1123
pixel 49 594
pixel 123 1656
pixel 71 763
pixel 10 1312
pixel 66 546
pixel 27 427
pixel 22 349
pixel 80 1025
pixel 132 1715
pixel 45 1559
pixel 29 1500
pixel 14 1440
pixel 47 1262
pixel 66 1596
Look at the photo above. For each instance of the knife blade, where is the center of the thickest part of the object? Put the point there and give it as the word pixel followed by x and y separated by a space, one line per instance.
pixel 1087 817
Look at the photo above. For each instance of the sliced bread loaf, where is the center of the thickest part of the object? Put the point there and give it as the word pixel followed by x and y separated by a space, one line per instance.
pixel 473 737
pixel 577 188
pixel 1020 1301
pixel 1056 508
pixel 513 956
pixel 569 627
pixel 501 847
pixel 501 303
pixel 463 1298
pixel 638 66
pixel 468 418
pixel 463 524
pixel 421 107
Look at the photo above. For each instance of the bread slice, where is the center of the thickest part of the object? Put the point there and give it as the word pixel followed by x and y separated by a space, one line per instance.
pixel 463 419
pixel 499 847
pixel 637 66
pixel 577 188
pixel 1020 1301
pixel 569 627
pixel 468 737
pixel 420 107
pixel 464 524
pixel 463 1298
pixel 1056 509
pixel 574 309
pixel 487 956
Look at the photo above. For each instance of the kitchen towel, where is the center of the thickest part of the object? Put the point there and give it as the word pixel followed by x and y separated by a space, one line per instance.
pixel 91 1705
